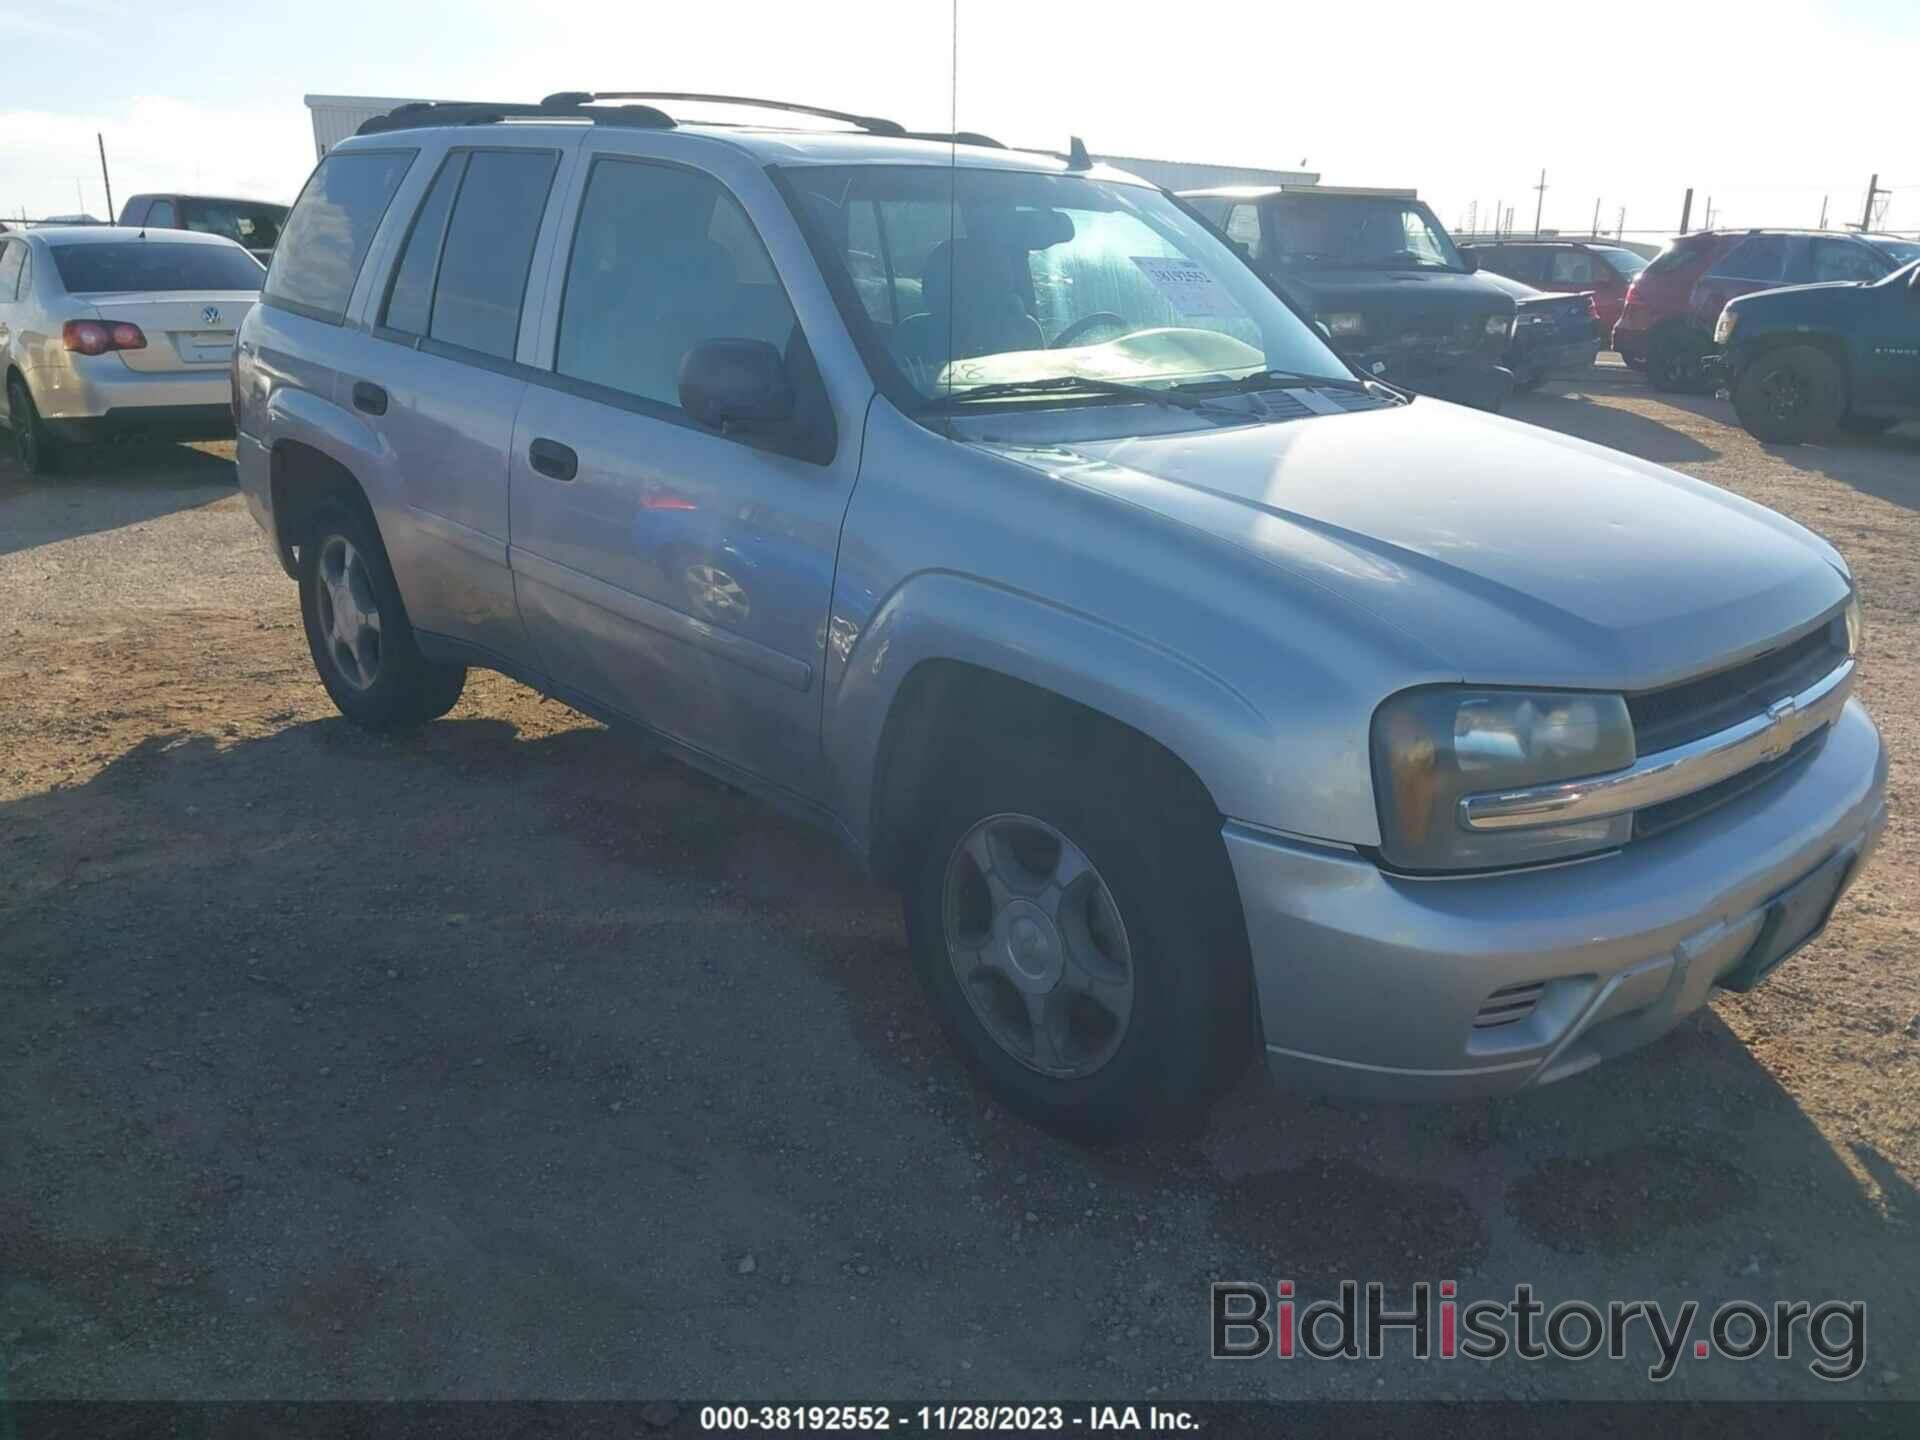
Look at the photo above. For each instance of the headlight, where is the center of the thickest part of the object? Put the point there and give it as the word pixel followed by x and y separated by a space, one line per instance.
pixel 1723 327
pixel 1501 325
pixel 1347 324
pixel 1433 747
pixel 1856 627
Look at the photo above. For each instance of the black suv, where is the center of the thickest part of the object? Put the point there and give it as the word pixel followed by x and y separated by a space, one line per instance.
pixel 1378 270
pixel 1805 360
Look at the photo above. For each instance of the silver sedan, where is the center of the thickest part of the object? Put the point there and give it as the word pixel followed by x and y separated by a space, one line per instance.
pixel 112 333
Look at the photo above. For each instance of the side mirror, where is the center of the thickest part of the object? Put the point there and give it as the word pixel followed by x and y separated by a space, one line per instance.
pixel 1470 260
pixel 735 384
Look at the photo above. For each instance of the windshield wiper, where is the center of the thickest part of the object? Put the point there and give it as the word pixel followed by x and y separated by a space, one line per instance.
pixel 1270 379
pixel 1064 384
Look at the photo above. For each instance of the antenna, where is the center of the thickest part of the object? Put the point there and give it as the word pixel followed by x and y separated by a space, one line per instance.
pixel 1077 157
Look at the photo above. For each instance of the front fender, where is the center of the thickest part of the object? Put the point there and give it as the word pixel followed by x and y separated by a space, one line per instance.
pixel 1219 733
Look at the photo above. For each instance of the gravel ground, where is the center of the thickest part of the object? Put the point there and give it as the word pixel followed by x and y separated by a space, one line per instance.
pixel 509 1059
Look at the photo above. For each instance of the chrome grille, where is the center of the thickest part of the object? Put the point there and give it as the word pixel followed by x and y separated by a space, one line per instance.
pixel 1679 713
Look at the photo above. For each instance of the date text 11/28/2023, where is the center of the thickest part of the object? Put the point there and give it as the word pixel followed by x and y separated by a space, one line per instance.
pixel 989 1419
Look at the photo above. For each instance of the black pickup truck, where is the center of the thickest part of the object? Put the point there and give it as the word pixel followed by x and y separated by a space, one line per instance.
pixel 1380 272
pixel 1803 361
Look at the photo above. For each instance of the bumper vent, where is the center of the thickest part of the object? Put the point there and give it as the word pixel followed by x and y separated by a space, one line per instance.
pixel 1509 1005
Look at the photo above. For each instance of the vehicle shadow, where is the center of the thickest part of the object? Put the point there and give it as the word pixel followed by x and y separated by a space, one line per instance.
pixel 1886 467
pixel 105 487
pixel 1569 407
pixel 481 1062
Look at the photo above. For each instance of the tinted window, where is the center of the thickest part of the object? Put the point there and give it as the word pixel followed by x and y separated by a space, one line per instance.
pixel 1681 255
pixel 411 292
pixel 1520 262
pixel 1758 257
pixel 1572 267
pixel 1243 224
pixel 327 236
pixel 255 226
pixel 1844 260
pixel 647 281
pixel 128 265
pixel 160 215
pixel 12 256
pixel 483 267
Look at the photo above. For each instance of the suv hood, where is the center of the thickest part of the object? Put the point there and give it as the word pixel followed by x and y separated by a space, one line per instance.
pixel 1514 555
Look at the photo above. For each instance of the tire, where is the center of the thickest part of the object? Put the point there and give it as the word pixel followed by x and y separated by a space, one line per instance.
pixel 1157 906
pixel 1530 384
pixel 1790 395
pixel 357 630
pixel 35 450
pixel 1634 362
pixel 1673 362
pixel 1867 424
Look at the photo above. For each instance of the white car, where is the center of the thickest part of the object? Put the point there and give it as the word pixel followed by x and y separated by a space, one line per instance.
pixel 110 333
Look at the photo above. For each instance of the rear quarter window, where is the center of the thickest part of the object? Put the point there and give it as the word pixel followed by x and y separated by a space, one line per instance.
pixel 332 225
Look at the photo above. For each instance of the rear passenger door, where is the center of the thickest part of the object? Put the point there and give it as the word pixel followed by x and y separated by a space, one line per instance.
pixel 440 383
pixel 675 574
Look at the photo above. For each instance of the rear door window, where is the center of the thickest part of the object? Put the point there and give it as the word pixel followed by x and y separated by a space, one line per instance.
pixel 1758 257
pixel 410 292
pixel 332 225
pixel 13 255
pixel 160 215
pixel 125 266
pixel 482 280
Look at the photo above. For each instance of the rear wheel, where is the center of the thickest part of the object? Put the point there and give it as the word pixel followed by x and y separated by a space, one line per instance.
pixel 1083 951
pixel 36 450
pixel 357 629
pixel 1790 395
pixel 1673 361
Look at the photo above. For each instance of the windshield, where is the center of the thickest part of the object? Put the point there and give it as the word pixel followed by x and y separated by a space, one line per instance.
pixel 125 266
pixel 1625 263
pixel 1357 232
pixel 962 279
pixel 255 226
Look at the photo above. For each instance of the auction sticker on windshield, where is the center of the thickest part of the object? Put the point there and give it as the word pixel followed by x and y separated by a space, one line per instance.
pixel 1188 288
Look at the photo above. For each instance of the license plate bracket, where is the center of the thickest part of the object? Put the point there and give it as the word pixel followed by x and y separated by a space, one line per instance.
pixel 1795 917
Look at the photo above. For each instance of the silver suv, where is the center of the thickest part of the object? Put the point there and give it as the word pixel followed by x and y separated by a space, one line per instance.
pixel 1199 694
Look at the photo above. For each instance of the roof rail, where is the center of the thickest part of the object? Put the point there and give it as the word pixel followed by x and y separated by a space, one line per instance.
pixel 872 124
pixel 475 112
pixel 956 137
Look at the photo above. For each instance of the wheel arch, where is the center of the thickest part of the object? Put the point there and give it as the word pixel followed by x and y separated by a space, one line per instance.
pixel 952 663
pixel 1832 346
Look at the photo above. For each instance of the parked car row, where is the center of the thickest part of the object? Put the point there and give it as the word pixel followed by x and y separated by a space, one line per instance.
pixel 1204 696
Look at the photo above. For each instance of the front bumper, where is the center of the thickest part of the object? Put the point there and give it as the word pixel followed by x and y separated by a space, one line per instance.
pixel 1479 382
pixel 1370 983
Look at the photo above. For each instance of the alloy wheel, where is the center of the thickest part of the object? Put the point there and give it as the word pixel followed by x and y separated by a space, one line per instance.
pixel 1037 946
pixel 349 613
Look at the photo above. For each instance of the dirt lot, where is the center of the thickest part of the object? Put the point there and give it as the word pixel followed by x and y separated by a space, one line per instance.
pixel 509 1059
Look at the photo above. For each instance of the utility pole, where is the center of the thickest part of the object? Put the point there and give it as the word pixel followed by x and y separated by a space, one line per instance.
pixel 1540 203
pixel 103 173
pixel 1686 210
pixel 1823 210
pixel 1620 225
pixel 1873 191
pixel 1498 211
pixel 1709 224
pixel 1595 231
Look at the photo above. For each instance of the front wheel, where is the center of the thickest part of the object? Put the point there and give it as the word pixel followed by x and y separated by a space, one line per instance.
pixel 1673 361
pixel 357 629
pixel 1085 955
pixel 1790 395
pixel 36 450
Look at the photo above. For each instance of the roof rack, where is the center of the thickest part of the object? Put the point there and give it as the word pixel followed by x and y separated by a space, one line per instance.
pixel 872 124
pixel 474 112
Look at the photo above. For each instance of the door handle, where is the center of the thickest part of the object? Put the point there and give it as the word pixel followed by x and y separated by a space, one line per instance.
pixel 554 460
pixel 369 397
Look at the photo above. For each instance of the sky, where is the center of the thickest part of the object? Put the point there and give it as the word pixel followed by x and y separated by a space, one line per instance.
pixel 1767 108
